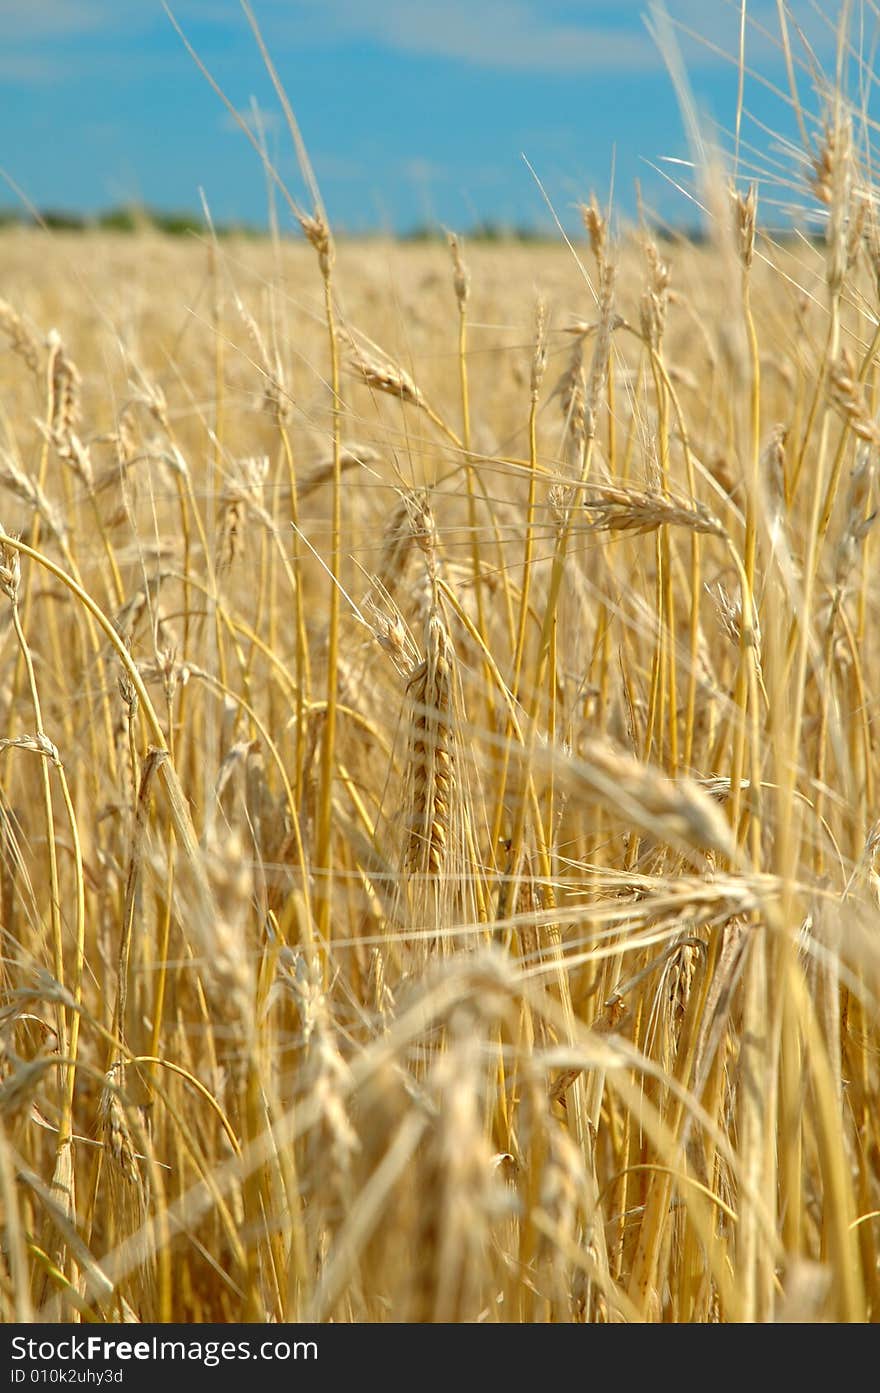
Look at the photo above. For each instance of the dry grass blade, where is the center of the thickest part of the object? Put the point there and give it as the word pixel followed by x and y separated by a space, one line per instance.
pixel 677 811
pixel 21 340
pixel 430 754
pixel 617 509
pixel 380 374
pixel 459 896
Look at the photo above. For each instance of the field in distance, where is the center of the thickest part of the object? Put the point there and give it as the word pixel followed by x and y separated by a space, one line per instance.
pixel 438 800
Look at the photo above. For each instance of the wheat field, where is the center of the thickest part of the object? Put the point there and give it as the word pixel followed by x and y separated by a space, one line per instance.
pixel 438 798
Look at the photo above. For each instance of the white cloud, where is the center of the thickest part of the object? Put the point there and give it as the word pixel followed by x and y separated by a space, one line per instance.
pixel 41 20
pixel 561 36
pixel 565 36
pixel 49 40
pixel 257 119
pixel 31 69
pixel 523 35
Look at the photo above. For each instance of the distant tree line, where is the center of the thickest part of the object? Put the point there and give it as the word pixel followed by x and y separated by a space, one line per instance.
pixel 129 218
pixel 135 218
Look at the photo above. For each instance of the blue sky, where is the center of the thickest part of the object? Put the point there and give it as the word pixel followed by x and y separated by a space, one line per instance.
pixel 412 110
